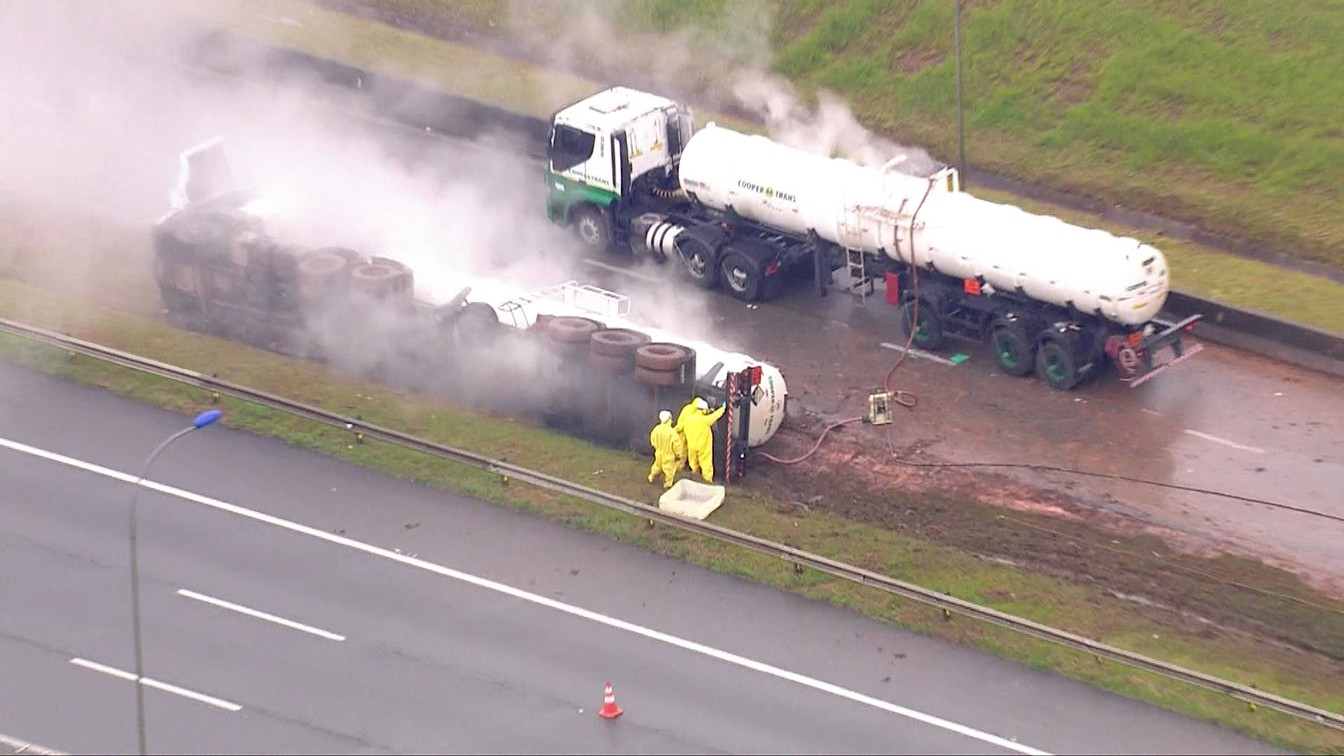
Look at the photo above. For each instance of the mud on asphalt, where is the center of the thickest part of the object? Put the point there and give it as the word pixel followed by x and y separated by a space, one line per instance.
pixel 1167 575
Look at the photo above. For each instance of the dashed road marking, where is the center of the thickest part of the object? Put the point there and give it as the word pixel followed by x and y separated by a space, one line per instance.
pixel 506 590
pixel 918 353
pixel 239 608
pixel 1153 412
pixel 1223 441
pixel 122 674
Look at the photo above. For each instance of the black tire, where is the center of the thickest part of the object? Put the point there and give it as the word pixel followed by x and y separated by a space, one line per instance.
pixel 324 272
pixel 929 333
pixel 618 342
pixel 568 350
pixel 662 356
pixel 611 363
pixel 591 229
pixel 1055 365
pixel 657 378
pixel 380 278
pixel 568 330
pixel 698 262
pixel 1014 351
pixel 741 277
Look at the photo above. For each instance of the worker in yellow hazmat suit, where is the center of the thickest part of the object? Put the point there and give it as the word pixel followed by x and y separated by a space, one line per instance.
pixel 667 450
pixel 687 411
pixel 699 430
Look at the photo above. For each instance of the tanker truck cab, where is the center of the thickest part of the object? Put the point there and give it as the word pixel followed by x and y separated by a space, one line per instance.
pixel 612 156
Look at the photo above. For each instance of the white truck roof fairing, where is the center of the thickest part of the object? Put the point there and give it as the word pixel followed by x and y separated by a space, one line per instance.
pixel 611 109
pixel 204 174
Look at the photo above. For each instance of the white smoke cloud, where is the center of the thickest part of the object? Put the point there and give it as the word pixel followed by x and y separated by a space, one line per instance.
pixel 829 129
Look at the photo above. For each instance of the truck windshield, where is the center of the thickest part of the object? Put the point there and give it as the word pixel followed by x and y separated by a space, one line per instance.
pixel 569 147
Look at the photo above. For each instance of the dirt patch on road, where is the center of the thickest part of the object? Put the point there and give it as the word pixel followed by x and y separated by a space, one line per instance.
pixel 1044 529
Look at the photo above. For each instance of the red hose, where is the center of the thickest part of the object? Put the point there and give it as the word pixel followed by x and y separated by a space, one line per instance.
pixel 815 446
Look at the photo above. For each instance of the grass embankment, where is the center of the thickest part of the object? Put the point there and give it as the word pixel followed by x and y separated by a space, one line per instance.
pixel 126 318
pixel 538 91
pixel 1220 112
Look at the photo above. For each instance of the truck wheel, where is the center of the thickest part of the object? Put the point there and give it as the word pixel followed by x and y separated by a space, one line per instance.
pixel 570 330
pixel 618 342
pixel 1055 365
pixel 741 276
pixel 698 258
pixel 590 225
pixel 662 356
pixel 929 330
pixel 611 363
pixel 658 378
pixel 1016 355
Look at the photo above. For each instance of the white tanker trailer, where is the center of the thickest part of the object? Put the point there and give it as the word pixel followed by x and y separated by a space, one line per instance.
pixel 625 168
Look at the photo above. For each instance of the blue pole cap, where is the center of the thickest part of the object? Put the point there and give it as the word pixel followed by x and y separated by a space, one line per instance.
pixel 207 417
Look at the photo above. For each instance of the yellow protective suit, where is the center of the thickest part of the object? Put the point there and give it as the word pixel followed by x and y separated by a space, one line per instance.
pixel 667 453
pixel 699 430
pixel 686 412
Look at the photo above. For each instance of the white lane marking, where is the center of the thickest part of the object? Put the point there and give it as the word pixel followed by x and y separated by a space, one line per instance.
pixel 533 598
pixel 622 271
pixel 1150 411
pixel 917 353
pixel 218 703
pixel 259 615
pixel 24 747
pixel 1223 441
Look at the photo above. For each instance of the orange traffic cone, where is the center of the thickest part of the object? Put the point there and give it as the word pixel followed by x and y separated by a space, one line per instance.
pixel 609 708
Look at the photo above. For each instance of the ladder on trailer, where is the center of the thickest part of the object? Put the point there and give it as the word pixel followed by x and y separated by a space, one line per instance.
pixel 860 283
pixel 856 260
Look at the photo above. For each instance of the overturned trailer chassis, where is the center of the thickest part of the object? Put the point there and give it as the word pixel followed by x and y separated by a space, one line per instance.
pixel 219 273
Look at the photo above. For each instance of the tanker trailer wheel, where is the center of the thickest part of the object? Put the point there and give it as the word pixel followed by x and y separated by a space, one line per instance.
pixel 1056 366
pixel 662 357
pixel 618 342
pixel 612 363
pixel 929 330
pixel 1014 351
pixel 590 226
pixel 657 378
pixel 741 276
pixel 571 330
pixel 699 261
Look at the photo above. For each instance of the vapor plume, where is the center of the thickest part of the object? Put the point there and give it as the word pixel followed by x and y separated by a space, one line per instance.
pixel 98 104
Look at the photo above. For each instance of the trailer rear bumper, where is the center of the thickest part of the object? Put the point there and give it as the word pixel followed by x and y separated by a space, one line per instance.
pixel 1161 351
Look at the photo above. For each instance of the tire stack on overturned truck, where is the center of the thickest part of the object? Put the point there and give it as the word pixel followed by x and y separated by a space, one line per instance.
pixel 609 382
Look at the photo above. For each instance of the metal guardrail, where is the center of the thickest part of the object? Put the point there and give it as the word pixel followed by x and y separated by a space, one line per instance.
pixel 948 604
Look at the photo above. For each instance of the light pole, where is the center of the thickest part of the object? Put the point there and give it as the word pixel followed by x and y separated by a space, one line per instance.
pixel 961 131
pixel 202 420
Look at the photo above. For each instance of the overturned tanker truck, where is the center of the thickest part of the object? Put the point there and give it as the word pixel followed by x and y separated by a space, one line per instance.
pixel 570 353
pixel 626 167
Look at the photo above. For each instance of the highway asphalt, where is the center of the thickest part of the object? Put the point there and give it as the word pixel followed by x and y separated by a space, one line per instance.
pixel 400 652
